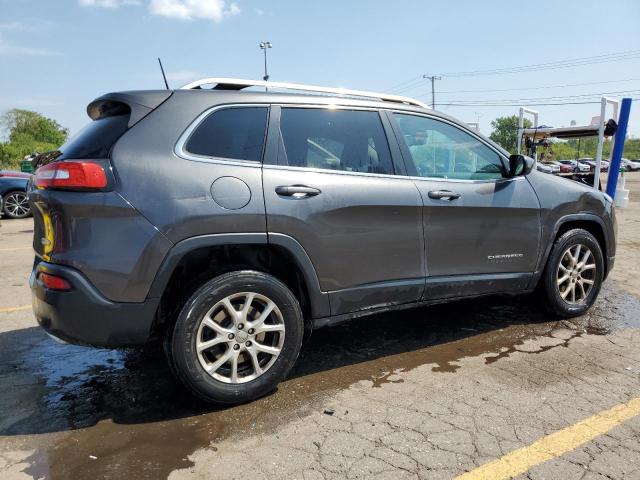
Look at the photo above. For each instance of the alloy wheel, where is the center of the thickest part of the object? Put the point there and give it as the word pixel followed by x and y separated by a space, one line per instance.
pixel 240 337
pixel 16 205
pixel 576 274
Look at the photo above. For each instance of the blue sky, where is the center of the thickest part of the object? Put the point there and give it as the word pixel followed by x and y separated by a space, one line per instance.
pixel 56 56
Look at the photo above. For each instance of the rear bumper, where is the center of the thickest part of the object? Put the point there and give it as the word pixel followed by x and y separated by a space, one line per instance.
pixel 83 316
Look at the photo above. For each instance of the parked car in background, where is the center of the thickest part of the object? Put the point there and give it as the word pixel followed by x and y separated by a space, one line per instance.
pixel 13 189
pixel 553 166
pixel 578 166
pixel 604 165
pixel 541 167
pixel 630 165
pixel 562 167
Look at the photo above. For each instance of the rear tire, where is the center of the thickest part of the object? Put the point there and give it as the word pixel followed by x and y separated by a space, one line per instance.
pixel 237 337
pixel 574 273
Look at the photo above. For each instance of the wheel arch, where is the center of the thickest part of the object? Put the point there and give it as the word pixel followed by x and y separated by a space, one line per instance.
pixel 586 221
pixel 192 261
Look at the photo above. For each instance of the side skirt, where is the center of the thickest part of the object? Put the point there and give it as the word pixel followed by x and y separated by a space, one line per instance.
pixel 337 319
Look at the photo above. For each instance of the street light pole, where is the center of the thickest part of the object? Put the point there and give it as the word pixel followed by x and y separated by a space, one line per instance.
pixel 264 46
pixel 433 78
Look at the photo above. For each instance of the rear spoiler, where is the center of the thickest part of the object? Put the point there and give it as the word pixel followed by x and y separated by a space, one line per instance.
pixel 138 103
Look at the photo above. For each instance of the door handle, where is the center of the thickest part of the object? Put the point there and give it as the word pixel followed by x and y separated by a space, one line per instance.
pixel 297 191
pixel 443 195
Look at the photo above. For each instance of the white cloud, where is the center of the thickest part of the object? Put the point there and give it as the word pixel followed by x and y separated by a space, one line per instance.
pixel 214 10
pixel 107 3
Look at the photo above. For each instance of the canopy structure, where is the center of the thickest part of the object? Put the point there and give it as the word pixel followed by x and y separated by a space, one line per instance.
pixel 561 132
pixel 600 129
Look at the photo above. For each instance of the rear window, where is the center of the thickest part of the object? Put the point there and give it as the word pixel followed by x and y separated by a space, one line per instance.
pixel 234 133
pixel 96 139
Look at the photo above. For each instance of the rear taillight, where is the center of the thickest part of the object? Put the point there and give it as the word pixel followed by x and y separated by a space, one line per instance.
pixel 72 175
pixel 53 282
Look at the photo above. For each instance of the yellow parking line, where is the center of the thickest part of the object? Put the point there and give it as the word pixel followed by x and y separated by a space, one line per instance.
pixel 14 248
pixel 15 309
pixel 523 459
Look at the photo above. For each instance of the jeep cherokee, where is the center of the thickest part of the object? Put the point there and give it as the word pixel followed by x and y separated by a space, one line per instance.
pixel 228 222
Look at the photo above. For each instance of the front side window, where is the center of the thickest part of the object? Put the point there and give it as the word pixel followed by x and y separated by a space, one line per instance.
pixel 441 150
pixel 235 133
pixel 348 140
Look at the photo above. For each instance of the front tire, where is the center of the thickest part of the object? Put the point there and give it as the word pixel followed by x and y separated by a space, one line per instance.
pixel 574 273
pixel 237 337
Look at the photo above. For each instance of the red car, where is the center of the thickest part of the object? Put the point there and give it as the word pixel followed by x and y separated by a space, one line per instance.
pixel 563 167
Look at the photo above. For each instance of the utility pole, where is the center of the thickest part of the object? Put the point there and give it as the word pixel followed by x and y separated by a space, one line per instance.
pixel 433 79
pixel 264 46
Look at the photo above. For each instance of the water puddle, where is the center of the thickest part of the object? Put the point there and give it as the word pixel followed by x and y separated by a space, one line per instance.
pixel 121 414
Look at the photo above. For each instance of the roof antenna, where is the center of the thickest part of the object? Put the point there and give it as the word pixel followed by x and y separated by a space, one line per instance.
pixel 163 75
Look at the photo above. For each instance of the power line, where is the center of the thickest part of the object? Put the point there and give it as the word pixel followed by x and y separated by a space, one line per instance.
pixel 568 63
pixel 403 84
pixel 584 95
pixel 514 104
pixel 521 104
pixel 565 85
pixel 610 57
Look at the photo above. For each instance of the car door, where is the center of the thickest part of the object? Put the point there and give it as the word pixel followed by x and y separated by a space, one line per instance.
pixel 330 185
pixel 482 230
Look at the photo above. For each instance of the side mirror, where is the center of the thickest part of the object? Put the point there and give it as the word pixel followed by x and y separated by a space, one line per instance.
pixel 520 165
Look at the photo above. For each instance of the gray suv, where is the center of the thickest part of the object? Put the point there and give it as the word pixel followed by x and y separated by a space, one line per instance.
pixel 228 222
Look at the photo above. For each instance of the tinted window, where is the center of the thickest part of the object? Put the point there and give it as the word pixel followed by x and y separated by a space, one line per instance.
pixel 348 140
pixel 96 139
pixel 236 133
pixel 442 150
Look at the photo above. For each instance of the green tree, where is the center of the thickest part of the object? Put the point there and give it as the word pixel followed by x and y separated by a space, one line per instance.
pixel 28 132
pixel 505 132
pixel 632 149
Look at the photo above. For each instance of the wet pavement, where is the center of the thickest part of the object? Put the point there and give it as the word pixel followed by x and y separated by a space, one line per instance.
pixel 425 393
pixel 125 408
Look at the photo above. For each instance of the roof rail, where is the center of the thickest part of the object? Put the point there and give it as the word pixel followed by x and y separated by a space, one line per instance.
pixel 239 84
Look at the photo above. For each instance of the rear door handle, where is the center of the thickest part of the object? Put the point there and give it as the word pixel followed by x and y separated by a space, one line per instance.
pixel 297 191
pixel 443 195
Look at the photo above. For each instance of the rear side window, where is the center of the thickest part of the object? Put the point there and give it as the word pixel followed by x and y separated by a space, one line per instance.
pixel 348 140
pixel 235 133
pixel 96 139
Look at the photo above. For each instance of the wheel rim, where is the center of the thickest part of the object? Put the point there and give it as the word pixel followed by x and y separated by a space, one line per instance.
pixel 576 274
pixel 240 337
pixel 17 205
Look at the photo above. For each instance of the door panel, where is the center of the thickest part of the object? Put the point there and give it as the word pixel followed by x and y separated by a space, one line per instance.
pixel 329 183
pixel 363 234
pixel 493 227
pixel 482 231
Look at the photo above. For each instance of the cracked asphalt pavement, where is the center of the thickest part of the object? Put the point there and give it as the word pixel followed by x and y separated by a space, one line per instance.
pixel 476 387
